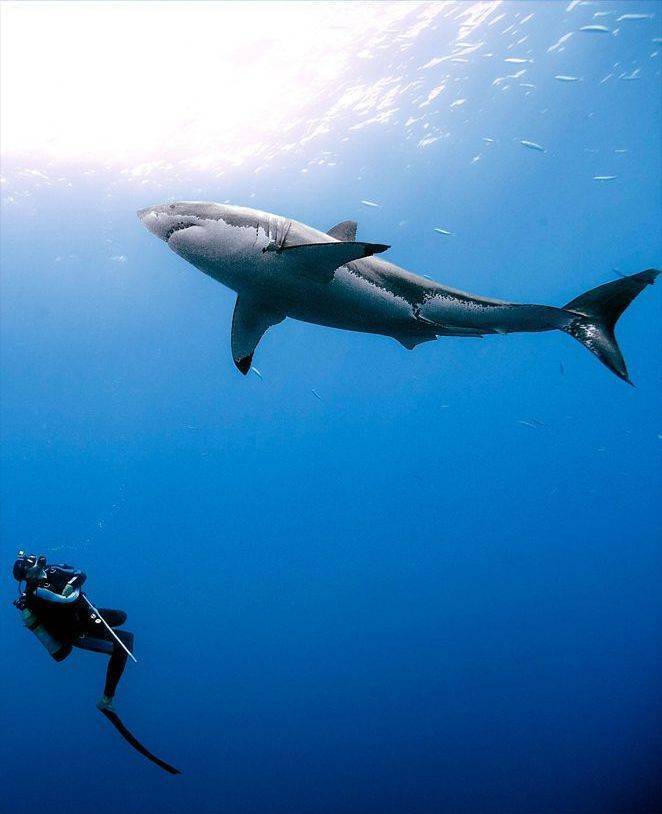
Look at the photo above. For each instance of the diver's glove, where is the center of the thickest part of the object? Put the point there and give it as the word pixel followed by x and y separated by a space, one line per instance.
pixel 68 590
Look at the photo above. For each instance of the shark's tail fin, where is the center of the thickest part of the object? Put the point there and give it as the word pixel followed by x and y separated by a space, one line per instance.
pixel 597 312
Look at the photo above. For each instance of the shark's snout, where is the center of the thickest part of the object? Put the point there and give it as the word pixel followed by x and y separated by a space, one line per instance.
pixel 166 220
pixel 152 220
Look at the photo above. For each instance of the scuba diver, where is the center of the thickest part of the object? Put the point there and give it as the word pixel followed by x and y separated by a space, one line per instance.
pixel 55 609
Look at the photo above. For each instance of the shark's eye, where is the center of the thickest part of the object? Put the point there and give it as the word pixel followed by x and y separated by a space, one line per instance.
pixel 172 206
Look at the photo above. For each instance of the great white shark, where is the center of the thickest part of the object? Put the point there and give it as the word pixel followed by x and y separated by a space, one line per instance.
pixel 282 268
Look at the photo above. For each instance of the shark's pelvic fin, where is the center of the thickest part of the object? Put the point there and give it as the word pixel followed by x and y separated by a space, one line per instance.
pixel 410 341
pixel 250 321
pixel 346 230
pixel 318 261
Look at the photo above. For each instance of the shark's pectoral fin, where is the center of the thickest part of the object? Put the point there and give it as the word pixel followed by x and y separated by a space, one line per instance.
pixel 346 230
pixel 250 321
pixel 318 261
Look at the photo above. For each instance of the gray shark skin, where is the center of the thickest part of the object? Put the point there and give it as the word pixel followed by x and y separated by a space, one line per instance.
pixel 282 268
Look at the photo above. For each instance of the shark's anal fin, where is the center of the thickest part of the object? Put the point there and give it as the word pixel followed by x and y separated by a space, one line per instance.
pixel 318 261
pixel 250 321
pixel 346 230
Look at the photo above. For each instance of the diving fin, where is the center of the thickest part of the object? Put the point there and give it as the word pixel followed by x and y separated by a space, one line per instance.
pixel 115 720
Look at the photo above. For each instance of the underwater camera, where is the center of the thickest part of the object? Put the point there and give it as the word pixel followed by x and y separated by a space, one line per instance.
pixel 27 565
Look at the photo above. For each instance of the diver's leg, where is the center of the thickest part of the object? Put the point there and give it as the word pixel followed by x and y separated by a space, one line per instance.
pixel 114 618
pixel 116 665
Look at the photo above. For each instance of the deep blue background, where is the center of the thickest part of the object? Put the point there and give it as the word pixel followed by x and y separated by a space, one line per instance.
pixel 397 598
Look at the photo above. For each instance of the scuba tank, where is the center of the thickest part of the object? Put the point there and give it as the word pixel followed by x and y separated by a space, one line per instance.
pixel 58 650
pixel 30 569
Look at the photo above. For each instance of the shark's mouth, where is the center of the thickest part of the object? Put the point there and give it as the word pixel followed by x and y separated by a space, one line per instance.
pixel 178 227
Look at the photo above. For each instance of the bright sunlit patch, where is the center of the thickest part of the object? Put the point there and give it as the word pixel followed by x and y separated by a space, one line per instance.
pixel 144 82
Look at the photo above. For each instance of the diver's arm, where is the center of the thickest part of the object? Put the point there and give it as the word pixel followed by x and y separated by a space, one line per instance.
pixel 73 576
pixel 58 599
pixel 75 584
pixel 78 580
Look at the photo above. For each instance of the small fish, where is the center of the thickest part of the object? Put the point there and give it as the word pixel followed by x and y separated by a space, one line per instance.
pixel 488 140
pixel 561 369
pixel 532 145
pixel 566 78
pixel 527 424
pixel 604 177
pixel 620 150
pixel 516 60
pixel 370 203
pixel 441 231
pixel 257 372
pixel 595 29
pixel 316 394
pixel 634 17
pixel 559 43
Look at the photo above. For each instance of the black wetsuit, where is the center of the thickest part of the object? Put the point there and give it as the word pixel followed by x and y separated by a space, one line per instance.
pixel 75 625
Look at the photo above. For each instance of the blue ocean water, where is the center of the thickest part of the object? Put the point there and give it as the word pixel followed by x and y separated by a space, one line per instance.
pixel 430 585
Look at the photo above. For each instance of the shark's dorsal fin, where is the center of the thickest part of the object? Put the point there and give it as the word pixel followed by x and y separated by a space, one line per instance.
pixel 346 230
pixel 318 261
pixel 250 321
